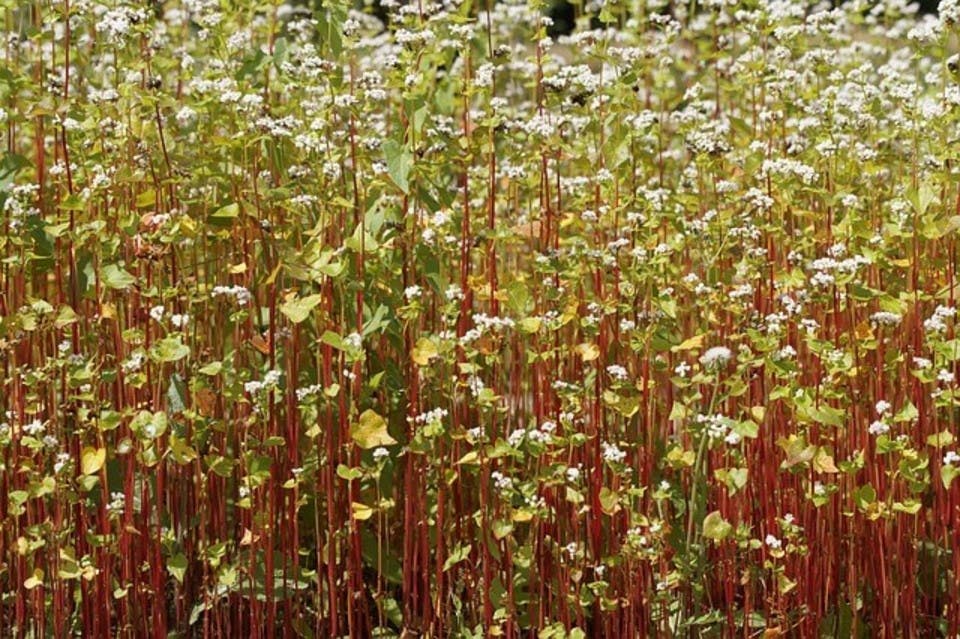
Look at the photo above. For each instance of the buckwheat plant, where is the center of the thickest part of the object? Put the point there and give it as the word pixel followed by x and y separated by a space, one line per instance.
pixel 333 319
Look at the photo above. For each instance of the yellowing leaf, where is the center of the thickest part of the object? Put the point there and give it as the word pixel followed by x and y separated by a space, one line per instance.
pixel 609 501
pixel 823 462
pixel 521 515
pixel 679 458
pixel 423 352
pixel 530 324
pixel 715 527
pixel 35 580
pixel 863 331
pixel 360 512
pixel 371 431
pixel 689 344
pixel 588 351
pixel 92 460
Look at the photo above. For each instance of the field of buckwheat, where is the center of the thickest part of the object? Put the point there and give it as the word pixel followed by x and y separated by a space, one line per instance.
pixel 425 320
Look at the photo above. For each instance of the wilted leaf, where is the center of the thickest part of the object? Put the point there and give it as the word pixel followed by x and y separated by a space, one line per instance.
pixel 823 462
pixel 588 351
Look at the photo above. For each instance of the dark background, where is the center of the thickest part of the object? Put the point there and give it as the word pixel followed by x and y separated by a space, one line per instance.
pixel 563 15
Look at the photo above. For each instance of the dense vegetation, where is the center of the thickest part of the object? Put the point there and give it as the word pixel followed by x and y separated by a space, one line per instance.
pixel 315 324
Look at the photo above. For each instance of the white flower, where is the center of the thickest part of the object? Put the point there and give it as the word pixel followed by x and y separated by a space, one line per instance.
pixel 878 428
pixel 950 458
pixel 237 292
pixel 612 453
pixel 500 480
pixel 157 313
pixel 35 427
pixel 883 318
pixel 185 116
pixel 516 437
pixel 62 460
pixel 617 372
pixel 773 542
pixel 180 320
pixel 412 292
pixel 380 453
pixel 883 407
pixel 117 502
pixel 716 357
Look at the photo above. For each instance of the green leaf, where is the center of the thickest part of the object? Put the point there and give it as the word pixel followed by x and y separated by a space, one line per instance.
pixel 177 565
pixel 212 369
pixel 908 413
pixel 332 339
pixel 947 474
pixel 910 506
pixel 346 473
pixel 501 528
pixel 399 163
pixel 169 349
pixel 747 428
pixel 176 395
pixel 298 309
pixel 458 554
pixel 72 203
pixel 826 415
pixel 225 215
pixel 146 199
pixel 864 496
pixel 371 431
pixel 149 425
pixel 941 439
pixel 117 278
